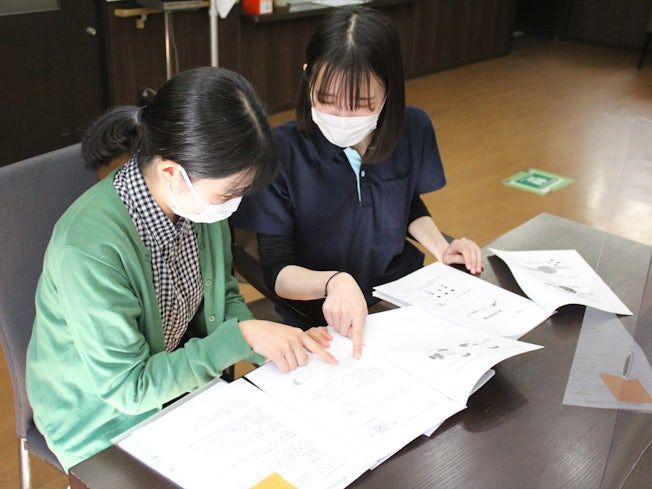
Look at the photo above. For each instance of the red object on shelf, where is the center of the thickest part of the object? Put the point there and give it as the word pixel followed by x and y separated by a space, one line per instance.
pixel 257 7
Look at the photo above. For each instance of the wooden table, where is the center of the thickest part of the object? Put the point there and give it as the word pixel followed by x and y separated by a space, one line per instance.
pixel 515 433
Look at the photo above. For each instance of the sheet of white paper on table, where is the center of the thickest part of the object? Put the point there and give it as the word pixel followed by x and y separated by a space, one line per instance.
pixel 445 356
pixel 465 300
pixel 234 435
pixel 605 347
pixel 555 278
pixel 369 401
pixel 485 378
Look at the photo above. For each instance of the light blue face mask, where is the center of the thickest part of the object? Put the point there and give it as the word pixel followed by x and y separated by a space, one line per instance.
pixel 211 212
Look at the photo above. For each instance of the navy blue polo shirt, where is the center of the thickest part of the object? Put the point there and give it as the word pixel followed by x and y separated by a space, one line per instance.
pixel 315 199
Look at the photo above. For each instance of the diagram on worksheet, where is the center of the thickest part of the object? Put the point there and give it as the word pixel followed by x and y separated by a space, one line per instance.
pixel 464 299
pixel 437 351
pixel 554 272
pixel 555 278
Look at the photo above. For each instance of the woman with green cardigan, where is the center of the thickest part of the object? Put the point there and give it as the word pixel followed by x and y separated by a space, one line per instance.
pixel 136 304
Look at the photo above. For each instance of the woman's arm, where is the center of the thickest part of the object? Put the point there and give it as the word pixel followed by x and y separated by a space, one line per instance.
pixel 345 307
pixel 102 312
pixel 426 232
pixel 460 251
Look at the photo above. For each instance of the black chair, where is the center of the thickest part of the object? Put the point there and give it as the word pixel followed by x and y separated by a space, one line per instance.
pixel 33 195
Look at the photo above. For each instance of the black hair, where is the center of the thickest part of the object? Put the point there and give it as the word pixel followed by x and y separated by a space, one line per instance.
pixel 351 45
pixel 208 120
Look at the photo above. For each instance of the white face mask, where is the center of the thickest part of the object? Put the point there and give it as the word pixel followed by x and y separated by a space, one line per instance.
pixel 345 131
pixel 211 213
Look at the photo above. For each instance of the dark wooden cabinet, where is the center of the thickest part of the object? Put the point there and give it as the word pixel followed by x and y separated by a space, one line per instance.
pixel 451 33
pixel 52 82
pixel 538 17
pixel 621 23
pixel 611 22
pixel 269 50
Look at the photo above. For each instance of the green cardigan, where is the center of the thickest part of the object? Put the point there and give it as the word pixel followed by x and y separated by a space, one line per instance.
pixel 96 362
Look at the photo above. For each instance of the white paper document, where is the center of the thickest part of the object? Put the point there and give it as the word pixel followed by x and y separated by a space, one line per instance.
pixel 234 436
pixel 447 357
pixel 321 425
pixel 373 405
pixel 465 300
pixel 610 370
pixel 555 278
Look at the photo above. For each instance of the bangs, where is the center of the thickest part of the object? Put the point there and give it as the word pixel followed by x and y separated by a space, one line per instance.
pixel 353 48
pixel 345 85
pixel 244 183
pixel 250 169
pixel 258 176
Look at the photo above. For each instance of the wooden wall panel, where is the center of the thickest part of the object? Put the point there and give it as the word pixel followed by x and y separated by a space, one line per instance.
pixel 270 51
pixel 611 22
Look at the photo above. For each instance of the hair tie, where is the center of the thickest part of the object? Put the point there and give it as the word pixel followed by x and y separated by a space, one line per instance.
pixel 139 115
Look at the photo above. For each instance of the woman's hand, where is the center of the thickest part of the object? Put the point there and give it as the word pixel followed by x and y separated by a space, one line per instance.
pixel 284 345
pixel 345 309
pixel 320 335
pixel 464 252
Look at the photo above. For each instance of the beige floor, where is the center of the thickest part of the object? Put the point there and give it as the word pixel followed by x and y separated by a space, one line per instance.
pixel 567 108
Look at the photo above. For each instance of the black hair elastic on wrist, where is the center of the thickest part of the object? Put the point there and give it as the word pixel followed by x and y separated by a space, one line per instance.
pixel 328 282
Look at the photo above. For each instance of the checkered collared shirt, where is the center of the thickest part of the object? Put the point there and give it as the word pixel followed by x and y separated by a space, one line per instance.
pixel 175 255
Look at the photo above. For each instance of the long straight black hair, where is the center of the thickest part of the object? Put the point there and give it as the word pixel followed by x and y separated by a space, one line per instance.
pixel 351 45
pixel 208 120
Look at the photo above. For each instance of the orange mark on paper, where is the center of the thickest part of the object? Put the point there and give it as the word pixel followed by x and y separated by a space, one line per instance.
pixel 626 390
pixel 274 481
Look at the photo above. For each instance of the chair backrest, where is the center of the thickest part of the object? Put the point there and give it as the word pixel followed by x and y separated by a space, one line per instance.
pixel 33 195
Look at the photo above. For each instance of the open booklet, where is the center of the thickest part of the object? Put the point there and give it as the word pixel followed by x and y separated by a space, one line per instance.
pixel 465 300
pixel 451 359
pixel 235 436
pixel 322 426
pixel 555 278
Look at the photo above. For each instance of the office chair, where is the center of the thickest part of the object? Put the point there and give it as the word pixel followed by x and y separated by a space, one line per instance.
pixel 34 194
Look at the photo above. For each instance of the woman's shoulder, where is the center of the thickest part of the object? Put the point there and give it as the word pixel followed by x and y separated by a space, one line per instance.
pixel 287 131
pixel 416 118
pixel 295 145
pixel 92 221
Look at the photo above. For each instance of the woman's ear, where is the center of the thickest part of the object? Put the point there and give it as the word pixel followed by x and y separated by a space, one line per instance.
pixel 305 66
pixel 168 170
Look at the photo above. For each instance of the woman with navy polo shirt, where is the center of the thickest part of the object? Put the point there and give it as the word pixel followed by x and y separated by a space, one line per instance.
pixel 352 168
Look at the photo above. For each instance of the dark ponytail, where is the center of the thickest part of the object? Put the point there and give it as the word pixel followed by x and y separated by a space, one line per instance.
pixel 208 120
pixel 111 135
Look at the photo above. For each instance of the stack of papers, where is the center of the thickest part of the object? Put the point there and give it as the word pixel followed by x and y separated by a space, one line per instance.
pixel 550 278
pixel 465 300
pixel 446 357
pixel 322 426
pixel 235 436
